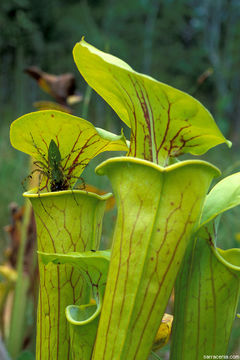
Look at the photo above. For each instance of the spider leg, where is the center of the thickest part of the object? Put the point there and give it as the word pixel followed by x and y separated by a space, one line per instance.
pixel 69 156
pixel 39 150
pixel 40 164
pixel 42 173
pixel 47 175
pixel 74 166
pixel 83 185
pixel 39 196
pixel 29 177
pixel 25 180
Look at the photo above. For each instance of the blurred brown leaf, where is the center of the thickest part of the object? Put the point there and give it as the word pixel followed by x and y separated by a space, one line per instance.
pixel 61 87
pixel 14 231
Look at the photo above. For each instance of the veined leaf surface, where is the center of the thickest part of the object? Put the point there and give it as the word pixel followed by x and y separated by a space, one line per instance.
pixel 78 140
pixel 83 319
pixel 208 284
pixel 164 121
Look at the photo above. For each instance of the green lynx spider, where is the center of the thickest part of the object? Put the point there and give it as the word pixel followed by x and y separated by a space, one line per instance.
pixel 58 176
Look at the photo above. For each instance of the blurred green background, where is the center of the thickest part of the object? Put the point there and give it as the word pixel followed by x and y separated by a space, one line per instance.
pixel 193 45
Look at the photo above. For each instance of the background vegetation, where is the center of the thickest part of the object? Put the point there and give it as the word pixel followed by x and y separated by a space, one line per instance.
pixel 190 44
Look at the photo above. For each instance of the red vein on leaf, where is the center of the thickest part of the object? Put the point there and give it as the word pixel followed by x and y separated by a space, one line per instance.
pixel 115 285
pixel 40 322
pixel 199 311
pixel 127 274
pixel 214 299
pixel 177 134
pixel 167 127
pixel 59 310
pixel 153 121
pixel 166 232
pixel 44 141
pixel 83 148
pixel 188 222
pixel 73 148
pixel 145 111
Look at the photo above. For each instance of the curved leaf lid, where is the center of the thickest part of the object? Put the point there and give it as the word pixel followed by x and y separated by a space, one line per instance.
pixel 77 139
pixel 103 167
pixel 164 121
pixel 34 193
pixel 93 266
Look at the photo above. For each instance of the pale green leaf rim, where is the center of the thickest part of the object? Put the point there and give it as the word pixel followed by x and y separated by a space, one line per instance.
pixel 169 168
pixel 33 193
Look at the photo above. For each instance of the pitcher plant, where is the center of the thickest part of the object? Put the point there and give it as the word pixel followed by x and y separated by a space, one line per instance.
pixel 109 305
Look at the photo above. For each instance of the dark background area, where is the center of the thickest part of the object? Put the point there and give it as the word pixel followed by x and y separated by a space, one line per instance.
pixel 193 45
pixel 173 40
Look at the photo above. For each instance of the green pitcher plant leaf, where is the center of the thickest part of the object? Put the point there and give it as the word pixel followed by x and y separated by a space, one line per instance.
pixel 206 298
pixel 224 196
pixel 208 284
pixel 83 319
pixel 66 221
pixel 164 121
pixel 158 209
pixel 93 265
pixel 76 139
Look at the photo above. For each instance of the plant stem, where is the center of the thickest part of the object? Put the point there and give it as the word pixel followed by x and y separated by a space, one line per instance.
pixel 16 332
pixel 86 101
